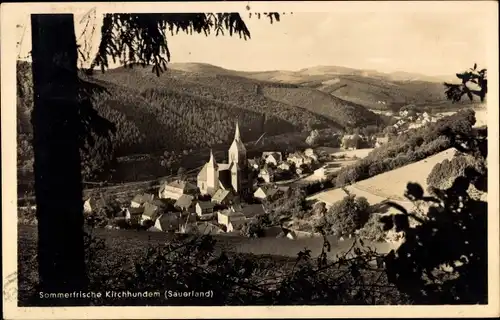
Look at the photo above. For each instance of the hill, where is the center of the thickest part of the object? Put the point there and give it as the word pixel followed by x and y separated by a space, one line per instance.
pixel 184 110
pixel 362 87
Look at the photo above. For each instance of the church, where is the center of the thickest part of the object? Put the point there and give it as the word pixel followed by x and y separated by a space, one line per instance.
pixel 227 176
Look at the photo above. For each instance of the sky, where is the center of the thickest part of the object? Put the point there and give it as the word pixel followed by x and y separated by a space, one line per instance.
pixel 429 42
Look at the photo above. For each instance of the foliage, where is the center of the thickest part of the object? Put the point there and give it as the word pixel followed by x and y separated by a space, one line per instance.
pixel 288 206
pixel 443 258
pixel 345 216
pixel 444 173
pixel 407 148
pixel 471 77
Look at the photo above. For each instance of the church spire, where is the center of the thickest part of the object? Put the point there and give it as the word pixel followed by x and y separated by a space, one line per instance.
pixel 237 136
pixel 212 158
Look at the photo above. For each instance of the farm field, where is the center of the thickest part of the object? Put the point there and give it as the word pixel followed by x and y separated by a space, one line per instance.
pixel 389 185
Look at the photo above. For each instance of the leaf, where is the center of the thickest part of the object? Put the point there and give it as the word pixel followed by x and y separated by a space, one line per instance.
pixel 401 222
pixel 475 66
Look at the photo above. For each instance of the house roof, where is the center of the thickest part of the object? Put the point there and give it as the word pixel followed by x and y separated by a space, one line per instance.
pixel 208 228
pixel 232 214
pixel 253 210
pixel 275 154
pixel 169 221
pixel 220 195
pixel 180 184
pixel 161 203
pixel 205 204
pixel 237 223
pixel 136 211
pixel 185 201
pixel 142 198
pixel 150 210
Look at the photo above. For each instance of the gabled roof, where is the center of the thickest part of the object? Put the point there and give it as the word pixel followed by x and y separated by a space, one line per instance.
pixel 185 201
pixel 275 154
pixel 142 198
pixel 180 184
pixel 169 221
pixel 150 210
pixel 237 223
pixel 220 195
pixel 253 210
pixel 135 211
pixel 205 204
pixel 202 175
pixel 232 214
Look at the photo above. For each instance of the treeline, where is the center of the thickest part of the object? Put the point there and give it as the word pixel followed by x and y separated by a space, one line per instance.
pixel 347 114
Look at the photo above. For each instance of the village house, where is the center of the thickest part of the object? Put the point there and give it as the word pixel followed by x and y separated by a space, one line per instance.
pixel 299 159
pixel 223 197
pixel 140 199
pixel 168 222
pixel 185 203
pixel 92 204
pixel 150 212
pixel 284 166
pixel 270 192
pixel 204 210
pixel 134 215
pixel 175 189
pixel 233 175
pixel 231 220
pixel 266 174
pixel 252 210
pixel 309 152
pixel 272 157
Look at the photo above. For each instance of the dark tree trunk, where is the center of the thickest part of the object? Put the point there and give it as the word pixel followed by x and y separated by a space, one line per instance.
pixel 58 186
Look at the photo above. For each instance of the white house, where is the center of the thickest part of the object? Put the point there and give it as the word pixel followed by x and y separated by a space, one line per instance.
pixel 266 174
pixel 309 152
pixel 92 204
pixel 284 166
pixel 231 219
pixel 204 210
pixel 175 189
pixel 140 199
pixel 299 159
pixel 272 157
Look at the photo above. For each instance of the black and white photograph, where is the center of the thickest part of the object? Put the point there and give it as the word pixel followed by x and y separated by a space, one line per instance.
pixel 333 155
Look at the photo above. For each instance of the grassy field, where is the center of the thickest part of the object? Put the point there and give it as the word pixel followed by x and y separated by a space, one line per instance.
pixel 388 185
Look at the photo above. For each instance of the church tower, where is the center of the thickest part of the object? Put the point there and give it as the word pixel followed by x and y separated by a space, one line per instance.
pixel 237 151
pixel 212 173
pixel 238 161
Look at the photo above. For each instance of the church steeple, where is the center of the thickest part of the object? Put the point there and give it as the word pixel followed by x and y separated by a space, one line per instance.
pixel 237 136
pixel 212 162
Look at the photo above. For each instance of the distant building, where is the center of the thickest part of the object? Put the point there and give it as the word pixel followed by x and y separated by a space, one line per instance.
pixel 272 157
pixel 185 203
pixel 175 189
pixel 232 220
pixel 204 210
pixel 223 197
pixel 267 174
pixel 299 159
pixel 92 204
pixel 270 192
pixel 284 166
pixel 140 199
pixel 351 141
pixel 309 152
pixel 232 175
pixel 168 222
pixel 134 215
pixel 150 212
